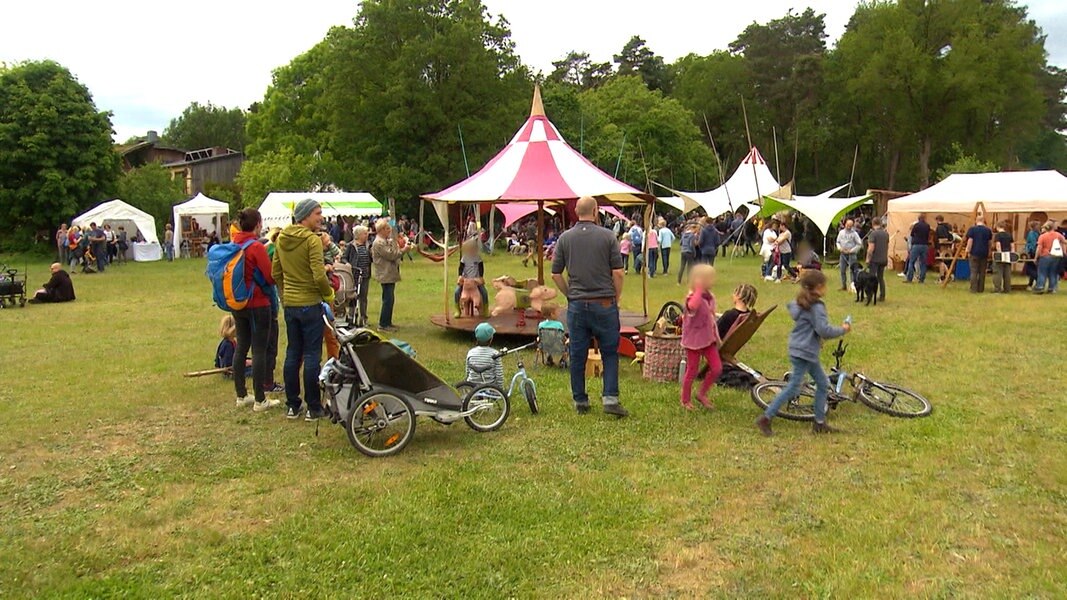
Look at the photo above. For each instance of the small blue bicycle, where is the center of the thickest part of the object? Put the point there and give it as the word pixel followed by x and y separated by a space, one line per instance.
pixel 520 381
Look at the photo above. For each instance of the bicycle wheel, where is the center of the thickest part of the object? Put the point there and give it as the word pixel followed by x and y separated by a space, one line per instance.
pixel 492 408
pixel 530 392
pixel 799 408
pixel 381 424
pixel 894 400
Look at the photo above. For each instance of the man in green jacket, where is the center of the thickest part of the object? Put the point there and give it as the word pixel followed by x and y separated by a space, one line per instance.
pixel 299 271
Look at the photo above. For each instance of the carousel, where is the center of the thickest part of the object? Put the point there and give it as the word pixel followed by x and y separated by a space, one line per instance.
pixel 537 172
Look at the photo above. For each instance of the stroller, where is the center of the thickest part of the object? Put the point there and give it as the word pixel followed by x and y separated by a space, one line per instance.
pixel 12 287
pixel 375 389
pixel 346 299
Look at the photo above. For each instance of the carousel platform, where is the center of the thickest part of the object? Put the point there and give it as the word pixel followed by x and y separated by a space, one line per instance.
pixel 509 324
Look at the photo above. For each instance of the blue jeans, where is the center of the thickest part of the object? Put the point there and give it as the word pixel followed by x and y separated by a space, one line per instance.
pixel 847 260
pixel 801 368
pixel 653 257
pixel 303 332
pixel 917 261
pixel 1048 270
pixel 385 318
pixel 589 320
pixel 101 257
pixel 168 251
pixel 665 253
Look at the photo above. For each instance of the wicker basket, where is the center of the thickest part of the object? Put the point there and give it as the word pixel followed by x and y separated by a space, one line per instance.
pixel 663 355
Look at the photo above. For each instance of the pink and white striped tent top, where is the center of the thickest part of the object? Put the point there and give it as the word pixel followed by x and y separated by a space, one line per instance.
pixel 539 165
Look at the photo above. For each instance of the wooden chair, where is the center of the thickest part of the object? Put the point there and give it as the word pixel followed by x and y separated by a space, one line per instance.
pixel 740 333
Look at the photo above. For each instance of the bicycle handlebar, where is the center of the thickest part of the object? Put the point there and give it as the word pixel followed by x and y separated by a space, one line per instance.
pixel 504 351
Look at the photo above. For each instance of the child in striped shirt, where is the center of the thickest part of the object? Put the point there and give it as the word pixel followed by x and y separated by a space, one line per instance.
pixel 483 363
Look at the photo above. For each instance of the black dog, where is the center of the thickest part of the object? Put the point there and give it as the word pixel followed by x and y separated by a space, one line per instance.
pixel 866 286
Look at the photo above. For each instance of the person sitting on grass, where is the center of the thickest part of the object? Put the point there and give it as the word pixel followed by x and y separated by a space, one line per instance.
pixel 483 364
pixel 811 327
pixel 744 298
pixel 227 345
pixel 58 289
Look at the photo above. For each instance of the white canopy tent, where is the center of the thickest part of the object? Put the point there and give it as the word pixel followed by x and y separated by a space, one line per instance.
pixel 823 210
pixel 277 207
pixel 119 214
pixel 1019 196
pixel 211 216
pixel 750 181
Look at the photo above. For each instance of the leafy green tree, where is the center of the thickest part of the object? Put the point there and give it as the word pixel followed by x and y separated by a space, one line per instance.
pixel 711 87
pixel 57 157
pixel 207 125
pixel 152 189
pixel 571 69
pixel 919 76
pixel 281 171
pixel 637 59
pixel 382 103
pixel 965 163
pixel 662 141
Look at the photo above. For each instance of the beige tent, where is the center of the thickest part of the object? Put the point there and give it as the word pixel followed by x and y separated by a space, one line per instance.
pixel 1017 197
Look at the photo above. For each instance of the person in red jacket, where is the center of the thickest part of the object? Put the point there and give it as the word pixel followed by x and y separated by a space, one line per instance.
pixel 254 321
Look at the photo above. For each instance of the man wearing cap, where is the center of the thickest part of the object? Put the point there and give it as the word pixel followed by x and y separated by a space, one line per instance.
pixel 300 274
pixel 590 255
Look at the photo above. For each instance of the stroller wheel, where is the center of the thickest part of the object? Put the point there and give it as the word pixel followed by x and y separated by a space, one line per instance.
pixel 381 424
pixel 493 408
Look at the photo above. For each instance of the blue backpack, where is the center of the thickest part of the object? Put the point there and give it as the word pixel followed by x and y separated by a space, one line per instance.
pixel 636 240
pixel 226 270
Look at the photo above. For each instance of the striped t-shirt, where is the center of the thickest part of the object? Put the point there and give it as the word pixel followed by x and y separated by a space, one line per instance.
pixel 484 367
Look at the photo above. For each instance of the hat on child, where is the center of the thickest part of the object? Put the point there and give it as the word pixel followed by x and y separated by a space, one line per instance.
pixel 484 332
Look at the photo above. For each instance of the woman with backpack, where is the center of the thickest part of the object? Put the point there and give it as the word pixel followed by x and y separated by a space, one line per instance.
pixel 254 320
pixel 1051 247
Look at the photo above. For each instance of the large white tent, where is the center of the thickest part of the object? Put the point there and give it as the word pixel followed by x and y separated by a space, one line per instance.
pixel 823 210
pixel 749 183
pixel 119 214
pixel 1019 196
pixel 277 207
pixel 211 216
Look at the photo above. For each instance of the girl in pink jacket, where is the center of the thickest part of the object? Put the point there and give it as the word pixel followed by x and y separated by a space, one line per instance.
pixel 700 335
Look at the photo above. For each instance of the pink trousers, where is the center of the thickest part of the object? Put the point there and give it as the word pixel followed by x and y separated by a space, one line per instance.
pixel 692 367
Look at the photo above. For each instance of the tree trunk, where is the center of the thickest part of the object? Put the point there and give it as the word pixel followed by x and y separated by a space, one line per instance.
pixel 924 163
pixel 894 163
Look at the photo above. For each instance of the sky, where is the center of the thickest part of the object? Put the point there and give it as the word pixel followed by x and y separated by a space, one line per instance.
pixel 146 61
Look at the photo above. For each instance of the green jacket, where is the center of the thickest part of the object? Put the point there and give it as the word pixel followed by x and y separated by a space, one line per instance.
pixel 298 268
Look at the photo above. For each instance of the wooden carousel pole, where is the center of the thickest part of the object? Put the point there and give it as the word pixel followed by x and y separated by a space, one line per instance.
pixel 539 251
pixel 448 313
pixel 644 272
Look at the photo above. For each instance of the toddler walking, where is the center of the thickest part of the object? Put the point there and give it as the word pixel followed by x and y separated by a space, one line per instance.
pixel 700 335
pixel 811 327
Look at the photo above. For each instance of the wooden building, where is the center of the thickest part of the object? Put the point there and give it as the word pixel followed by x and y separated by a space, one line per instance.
pixel 146 150
pixel 198 168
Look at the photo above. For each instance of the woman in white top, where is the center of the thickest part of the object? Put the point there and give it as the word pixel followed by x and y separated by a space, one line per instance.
pixel 770 236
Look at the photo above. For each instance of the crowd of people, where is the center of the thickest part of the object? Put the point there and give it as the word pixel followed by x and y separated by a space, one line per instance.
pixel 92 249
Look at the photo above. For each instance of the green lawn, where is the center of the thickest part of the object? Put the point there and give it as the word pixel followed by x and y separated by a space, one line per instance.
pixel 119 477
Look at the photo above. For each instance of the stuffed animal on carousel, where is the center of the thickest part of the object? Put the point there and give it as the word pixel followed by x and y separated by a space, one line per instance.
pixel 510 297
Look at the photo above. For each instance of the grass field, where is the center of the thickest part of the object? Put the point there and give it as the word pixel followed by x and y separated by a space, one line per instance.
pixel 121 478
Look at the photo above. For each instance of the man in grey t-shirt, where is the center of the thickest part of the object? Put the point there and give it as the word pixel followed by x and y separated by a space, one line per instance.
pixel 590 255
pixel 878 254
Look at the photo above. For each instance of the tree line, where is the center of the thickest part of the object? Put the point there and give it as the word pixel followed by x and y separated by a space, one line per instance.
pixel 415 94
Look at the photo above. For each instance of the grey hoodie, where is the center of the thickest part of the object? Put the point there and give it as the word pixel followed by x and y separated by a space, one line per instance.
pixel 811 328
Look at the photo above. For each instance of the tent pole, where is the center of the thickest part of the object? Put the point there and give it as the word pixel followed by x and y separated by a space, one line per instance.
pixel 748 134
pixel 855 157
pixel 540 250
pixel 777 167
pixel 422 223
pixel 492 230
pixel 448 313
pixel 644 271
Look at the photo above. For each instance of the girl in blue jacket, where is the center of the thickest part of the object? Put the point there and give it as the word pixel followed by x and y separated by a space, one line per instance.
pixel 811 327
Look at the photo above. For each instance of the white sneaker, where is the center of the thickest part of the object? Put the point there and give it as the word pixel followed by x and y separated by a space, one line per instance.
pixel 267 404
pixel 768 278
pixel 778 281
pixel 246 401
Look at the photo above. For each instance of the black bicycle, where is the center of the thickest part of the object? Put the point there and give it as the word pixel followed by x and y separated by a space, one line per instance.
pixel 890 399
